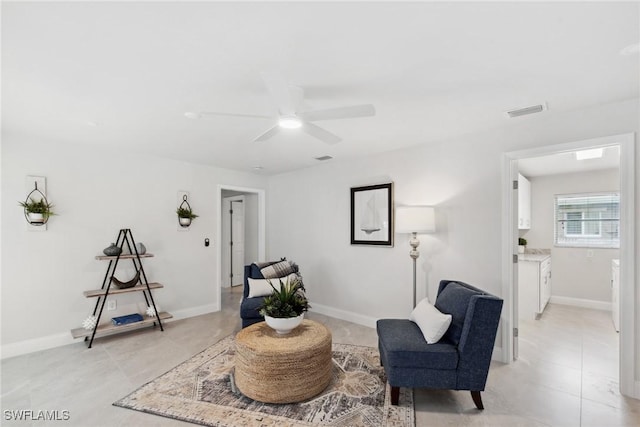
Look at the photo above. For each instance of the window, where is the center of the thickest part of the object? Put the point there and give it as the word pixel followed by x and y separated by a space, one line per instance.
pixel 587 220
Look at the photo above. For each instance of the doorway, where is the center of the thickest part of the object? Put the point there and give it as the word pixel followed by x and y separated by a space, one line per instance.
pixel 627 350
pixel 241 239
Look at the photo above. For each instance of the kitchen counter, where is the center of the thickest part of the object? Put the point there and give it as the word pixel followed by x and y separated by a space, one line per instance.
pixel 533 257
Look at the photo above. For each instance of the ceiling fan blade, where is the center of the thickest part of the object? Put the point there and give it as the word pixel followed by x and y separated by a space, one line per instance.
pixel 279 91
pixel 268 134
pixel 364 110
pixel 321 134
pixel 206 114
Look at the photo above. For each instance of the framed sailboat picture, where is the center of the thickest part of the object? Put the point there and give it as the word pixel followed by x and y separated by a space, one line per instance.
pixel 372 215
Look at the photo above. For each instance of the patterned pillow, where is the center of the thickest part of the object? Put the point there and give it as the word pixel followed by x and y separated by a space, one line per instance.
pixel 279 269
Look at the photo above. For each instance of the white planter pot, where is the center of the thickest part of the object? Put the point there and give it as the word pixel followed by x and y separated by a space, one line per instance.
pixel 185 222
pixel 520 249
pixel 284 325
pixel 36 218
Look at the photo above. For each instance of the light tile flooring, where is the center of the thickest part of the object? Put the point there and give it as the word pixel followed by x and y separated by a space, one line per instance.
pixel 566 375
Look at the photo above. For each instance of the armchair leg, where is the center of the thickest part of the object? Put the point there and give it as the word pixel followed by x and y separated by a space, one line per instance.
pixel 477 399
pixel 395 395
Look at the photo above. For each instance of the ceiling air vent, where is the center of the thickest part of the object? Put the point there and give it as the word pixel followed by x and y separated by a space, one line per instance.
pixel 323 158
pixel 526 110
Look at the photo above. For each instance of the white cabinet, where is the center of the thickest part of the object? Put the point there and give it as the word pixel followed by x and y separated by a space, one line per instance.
pixel 534 285
pixel 615 293
pixel 524 203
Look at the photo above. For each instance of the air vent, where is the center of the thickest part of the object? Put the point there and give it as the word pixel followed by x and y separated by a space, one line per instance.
pixel 526 110
pixel 323 158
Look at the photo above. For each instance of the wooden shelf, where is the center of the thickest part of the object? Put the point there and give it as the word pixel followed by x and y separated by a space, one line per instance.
pixel 123 256
pixel 109 329
pixel 112 291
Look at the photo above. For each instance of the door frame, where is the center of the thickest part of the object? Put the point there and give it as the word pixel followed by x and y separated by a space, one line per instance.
pixel 628 375
pixel 261 231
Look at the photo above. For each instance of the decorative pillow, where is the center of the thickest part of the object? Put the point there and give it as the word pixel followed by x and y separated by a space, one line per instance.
pixel 279 269
pixel 262 288
pixel 432 323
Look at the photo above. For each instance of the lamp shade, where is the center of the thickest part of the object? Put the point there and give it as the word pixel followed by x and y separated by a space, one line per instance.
pixel 415 219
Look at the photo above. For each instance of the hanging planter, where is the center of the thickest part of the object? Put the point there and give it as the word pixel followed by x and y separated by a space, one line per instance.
pixel 185 214
pixel 37 212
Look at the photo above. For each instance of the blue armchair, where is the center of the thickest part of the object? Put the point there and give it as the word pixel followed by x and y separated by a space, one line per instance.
pixel 460 360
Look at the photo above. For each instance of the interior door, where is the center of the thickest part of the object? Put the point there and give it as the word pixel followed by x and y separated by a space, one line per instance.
pixel 514 252
pixel 236 243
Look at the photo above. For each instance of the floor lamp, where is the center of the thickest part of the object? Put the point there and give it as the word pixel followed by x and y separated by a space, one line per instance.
pixel 414 220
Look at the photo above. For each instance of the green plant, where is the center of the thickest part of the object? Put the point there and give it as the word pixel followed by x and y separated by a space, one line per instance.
pixel 41 207
pixel 185 213
pixel 287 302
pixel 522 241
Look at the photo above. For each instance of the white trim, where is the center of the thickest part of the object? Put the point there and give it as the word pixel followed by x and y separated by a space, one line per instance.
pixel 497 354
pixel 349 316
pixel 36 344
pixel 628 284
pixel 580 302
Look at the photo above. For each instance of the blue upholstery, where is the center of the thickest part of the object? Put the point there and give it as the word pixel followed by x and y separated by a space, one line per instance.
pixel 249 306
pixel 460 360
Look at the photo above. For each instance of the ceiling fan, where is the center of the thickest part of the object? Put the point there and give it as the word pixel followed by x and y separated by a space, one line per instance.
pixel 288 99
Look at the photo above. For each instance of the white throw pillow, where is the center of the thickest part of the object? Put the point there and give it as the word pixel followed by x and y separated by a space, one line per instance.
pixel 432 323
pixel 262 288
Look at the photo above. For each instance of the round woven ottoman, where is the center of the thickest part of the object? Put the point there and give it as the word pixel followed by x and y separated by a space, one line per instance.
pixel 287 368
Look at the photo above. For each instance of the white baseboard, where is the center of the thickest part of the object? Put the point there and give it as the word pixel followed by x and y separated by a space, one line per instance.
pixel 579 302
pixel 36 344
pixel 497 355
pixel 349 316
pixel 57 340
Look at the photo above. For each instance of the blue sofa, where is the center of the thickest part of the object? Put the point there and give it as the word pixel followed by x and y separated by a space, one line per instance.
pixel 249 306
pixel 460 360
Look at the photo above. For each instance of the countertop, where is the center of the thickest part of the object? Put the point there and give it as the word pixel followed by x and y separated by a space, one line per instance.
pixel 533 257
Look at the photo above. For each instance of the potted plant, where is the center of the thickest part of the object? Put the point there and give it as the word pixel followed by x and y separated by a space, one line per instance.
pixel 284 309
pixel 37 212
pixel 522 242
pixel 185 215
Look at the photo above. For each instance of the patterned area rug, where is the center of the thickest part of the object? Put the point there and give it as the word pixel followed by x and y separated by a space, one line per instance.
pixel 200 391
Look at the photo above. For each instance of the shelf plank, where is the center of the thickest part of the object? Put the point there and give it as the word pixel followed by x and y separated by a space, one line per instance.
pixel 100 292
pixel 110 329
pixel 123 256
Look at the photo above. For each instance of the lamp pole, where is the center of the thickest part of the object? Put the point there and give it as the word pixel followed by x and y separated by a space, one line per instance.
pixel 414 254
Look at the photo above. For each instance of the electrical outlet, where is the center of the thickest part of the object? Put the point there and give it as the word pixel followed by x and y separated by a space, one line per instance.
pixel 111 305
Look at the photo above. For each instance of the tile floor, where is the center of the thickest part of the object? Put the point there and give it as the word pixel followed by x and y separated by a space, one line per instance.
pixel 566 375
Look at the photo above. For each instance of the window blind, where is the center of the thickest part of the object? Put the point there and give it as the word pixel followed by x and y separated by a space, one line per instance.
pixel 587 220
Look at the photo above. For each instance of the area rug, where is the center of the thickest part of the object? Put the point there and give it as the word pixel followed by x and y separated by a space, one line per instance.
pixel 200 391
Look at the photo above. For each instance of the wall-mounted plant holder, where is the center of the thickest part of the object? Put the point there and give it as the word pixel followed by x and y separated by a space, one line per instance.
pixel 184 211
pixel 37 209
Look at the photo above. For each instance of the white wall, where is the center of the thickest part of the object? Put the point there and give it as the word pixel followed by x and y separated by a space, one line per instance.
pixel 575 274
pixel 308 213
pixel 96 193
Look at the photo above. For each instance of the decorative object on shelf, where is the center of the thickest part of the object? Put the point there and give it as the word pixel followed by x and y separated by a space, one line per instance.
pixel 112 250
pixel 372 215
pixel 414 220
pixel 130 284
pixel 522 243
pixel 185 214
pixel 151 312
pixel 284 309
pixel 142 249
pixel 126 319
pixel 90 322
pixel 37 212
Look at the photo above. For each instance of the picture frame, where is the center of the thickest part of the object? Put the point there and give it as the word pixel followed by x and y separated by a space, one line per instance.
pixel 372 215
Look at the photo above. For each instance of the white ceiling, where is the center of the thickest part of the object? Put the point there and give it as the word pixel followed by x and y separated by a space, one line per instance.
pixel 561 163
pixel 122 74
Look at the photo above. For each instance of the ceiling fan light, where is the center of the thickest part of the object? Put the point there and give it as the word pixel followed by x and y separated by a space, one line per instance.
pixel 289 122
